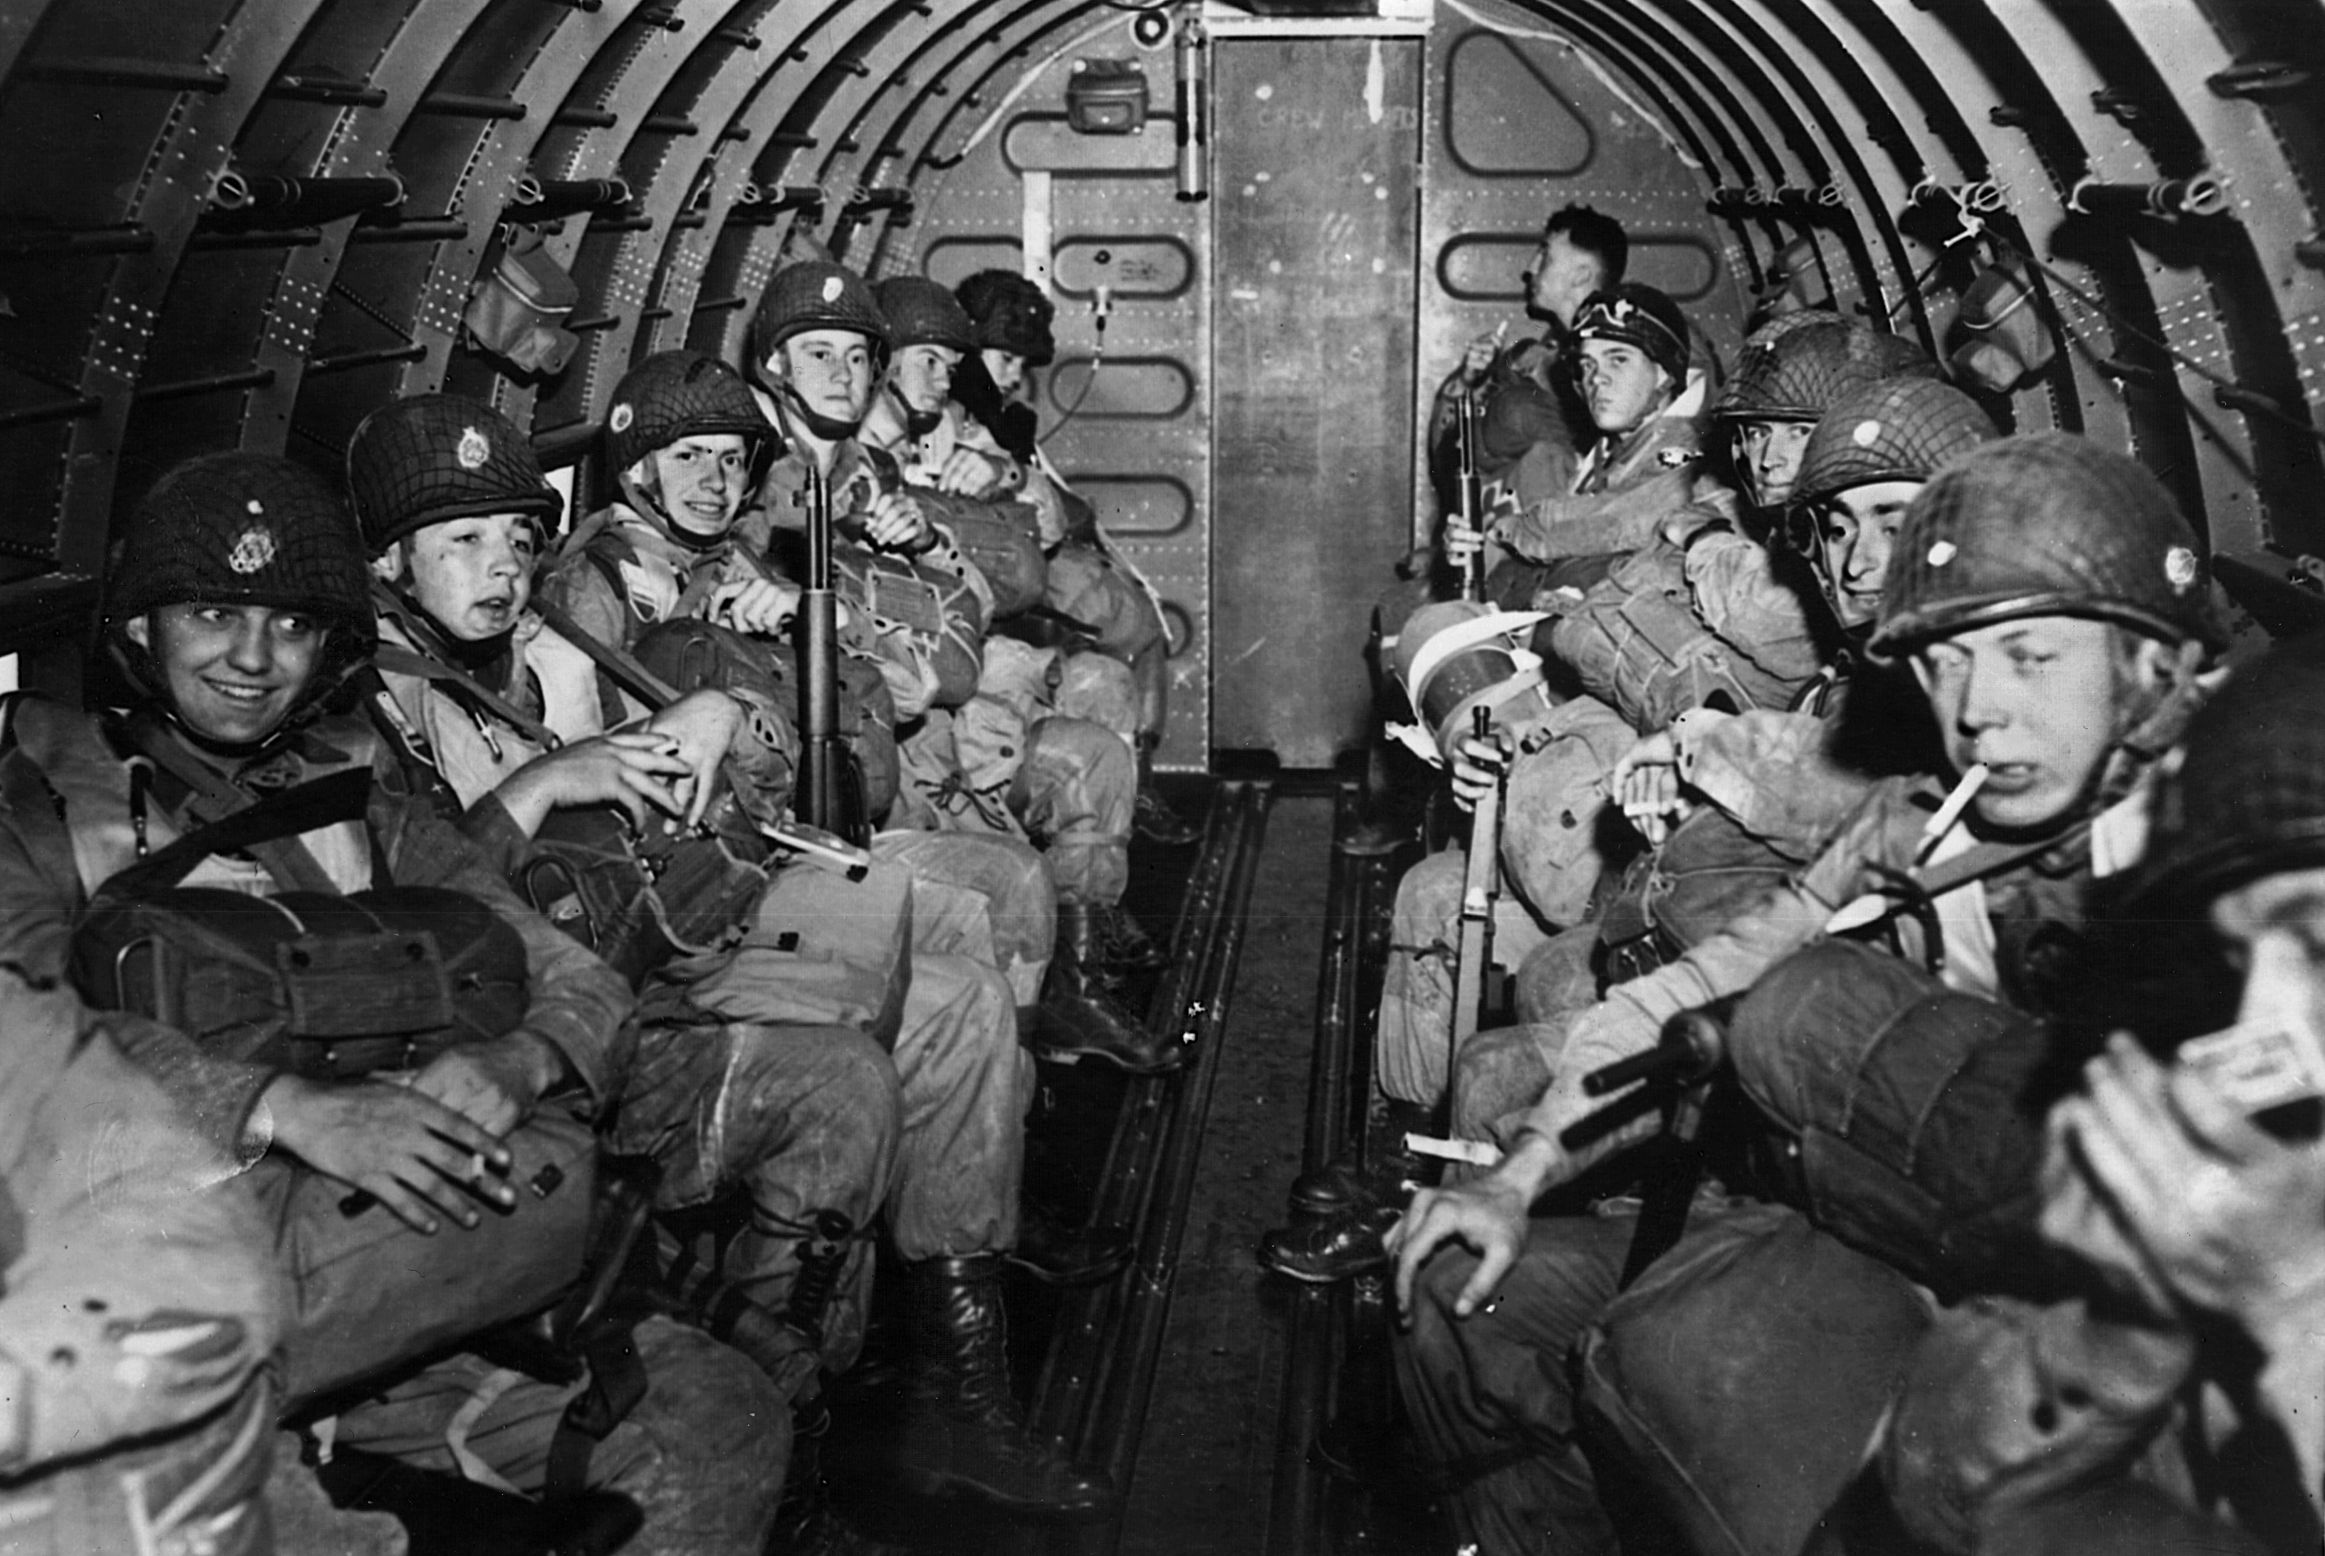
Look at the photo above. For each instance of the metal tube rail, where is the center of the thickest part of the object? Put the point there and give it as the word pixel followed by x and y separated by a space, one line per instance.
pixel 1327 1118
pixel 1120 1423
pixel 259 198
pixel 1313 1320
pixel 1065 1390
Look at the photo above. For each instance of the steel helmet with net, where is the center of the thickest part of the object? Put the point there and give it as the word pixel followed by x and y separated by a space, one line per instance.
pixel 673 395
pixel 434 457
pixel 2044 524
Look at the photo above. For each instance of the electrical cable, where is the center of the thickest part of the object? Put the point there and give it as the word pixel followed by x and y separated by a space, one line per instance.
pixel 1097 360
pixel 2247 400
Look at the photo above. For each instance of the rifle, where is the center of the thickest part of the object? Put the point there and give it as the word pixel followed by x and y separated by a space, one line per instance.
pixel 1472 492
pixel 823 758
pixel 806 838
pixel 1481 884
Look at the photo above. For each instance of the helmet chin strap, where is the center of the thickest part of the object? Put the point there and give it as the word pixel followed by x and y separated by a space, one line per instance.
pixel 463 651
pixel 829 428
pixel 2147 733
pixel 918 423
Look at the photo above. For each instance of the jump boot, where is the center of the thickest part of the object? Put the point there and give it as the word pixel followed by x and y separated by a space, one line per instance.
pixel 1341 1215
pixel 963 1432
pixel 1080 1018
pixel 1121 943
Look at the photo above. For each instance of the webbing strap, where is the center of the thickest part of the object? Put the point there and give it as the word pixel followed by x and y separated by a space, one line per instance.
pixel 395 659
pixel 287 859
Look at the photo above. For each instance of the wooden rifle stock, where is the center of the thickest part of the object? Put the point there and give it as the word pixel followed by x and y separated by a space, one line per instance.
pixel 1472 494
pixel 1481 884
pixel 822 759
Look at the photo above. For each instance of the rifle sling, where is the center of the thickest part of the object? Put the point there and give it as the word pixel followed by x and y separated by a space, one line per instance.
pixel 633 677
pixel 1984 859
pixel 398 660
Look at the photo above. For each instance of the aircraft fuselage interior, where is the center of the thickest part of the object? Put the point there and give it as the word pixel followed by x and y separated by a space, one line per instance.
pixel 1180 775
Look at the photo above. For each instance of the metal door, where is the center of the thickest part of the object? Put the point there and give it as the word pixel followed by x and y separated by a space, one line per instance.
pixel 1316 147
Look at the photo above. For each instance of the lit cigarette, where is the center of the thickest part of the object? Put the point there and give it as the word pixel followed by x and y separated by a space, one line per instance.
pixel 1478 1153
pixel 1951 811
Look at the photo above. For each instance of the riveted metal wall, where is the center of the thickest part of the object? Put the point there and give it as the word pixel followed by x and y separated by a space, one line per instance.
pixel 1126 417
pixel 140 322
pixel 1518 122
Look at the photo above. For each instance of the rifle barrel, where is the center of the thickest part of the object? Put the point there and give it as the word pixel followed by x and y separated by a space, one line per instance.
pixel 819 665
pixel 1472 497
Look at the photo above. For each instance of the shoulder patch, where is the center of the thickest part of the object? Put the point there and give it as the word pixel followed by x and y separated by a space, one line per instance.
pixel 1673 458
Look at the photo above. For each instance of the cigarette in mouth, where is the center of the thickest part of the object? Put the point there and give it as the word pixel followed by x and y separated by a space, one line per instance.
pixel 1951 811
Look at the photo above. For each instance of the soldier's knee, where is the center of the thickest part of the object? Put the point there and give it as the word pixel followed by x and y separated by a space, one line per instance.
pixel 1430 893
pixel 836 1076
pixel 1101 689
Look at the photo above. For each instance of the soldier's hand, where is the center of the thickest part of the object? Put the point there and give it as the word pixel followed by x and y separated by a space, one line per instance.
pixel 1477 767
pixel 895 522
pixel 633 769
pixel 1486 1216
pixel 1460 541
pixel 2077 1216
pixel 404 1148
pixel 967 473
pixel 2227 1213
pixel 1477 358
pixel 1646 785
pixel 704 724
pixel 493 1085
pixel 761 607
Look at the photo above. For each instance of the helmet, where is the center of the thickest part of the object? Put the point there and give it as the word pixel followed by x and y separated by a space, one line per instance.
pixel 673 395
pixel 1455 656
pixel 1894 429
pixel 2249 798
pixel 1638 316
pixel 417 462
pixel 920 312
pixel 816 294
pixel 243 529
pixel 1010 314
pixel 2046 524
pixel 1794 372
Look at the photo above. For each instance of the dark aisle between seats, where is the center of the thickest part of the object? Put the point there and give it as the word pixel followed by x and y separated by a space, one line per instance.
pixel 1203 1481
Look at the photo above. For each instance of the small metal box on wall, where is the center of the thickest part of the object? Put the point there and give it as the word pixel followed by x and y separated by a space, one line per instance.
pixel 1107 97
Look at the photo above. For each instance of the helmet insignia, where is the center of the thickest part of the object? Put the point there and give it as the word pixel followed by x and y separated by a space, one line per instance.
pixel 1943 552
pixel 253 550
pixel 620 420
pixel 1865 433
pixel 2180 569
pixel 475 448
pixel 832 287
